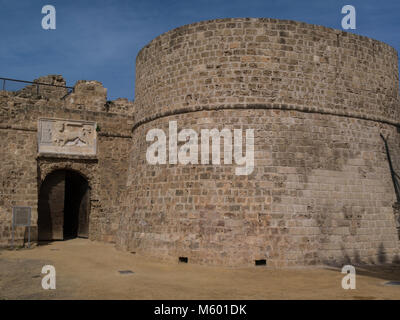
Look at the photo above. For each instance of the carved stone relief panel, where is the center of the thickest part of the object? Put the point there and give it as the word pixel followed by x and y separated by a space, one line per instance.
pixel 67 137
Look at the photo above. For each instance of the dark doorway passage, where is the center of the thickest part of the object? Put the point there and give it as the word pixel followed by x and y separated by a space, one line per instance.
pixel 74 205
pixel 64 206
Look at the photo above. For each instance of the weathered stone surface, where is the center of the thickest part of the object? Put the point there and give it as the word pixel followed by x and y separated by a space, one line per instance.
pixel 23 169
pixel 318 100
pixel 67 137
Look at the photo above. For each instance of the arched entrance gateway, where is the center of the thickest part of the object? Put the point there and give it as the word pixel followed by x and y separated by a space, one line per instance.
pixel 64 206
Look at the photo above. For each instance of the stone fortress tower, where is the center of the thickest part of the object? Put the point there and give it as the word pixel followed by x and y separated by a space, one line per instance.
pixel 317 99
pixel 321 191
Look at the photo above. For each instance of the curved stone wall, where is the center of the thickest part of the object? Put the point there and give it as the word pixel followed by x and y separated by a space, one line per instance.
pixel 268 62
pixel 318 100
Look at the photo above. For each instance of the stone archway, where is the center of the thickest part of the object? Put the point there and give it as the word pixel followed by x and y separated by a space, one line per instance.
pixel 64 206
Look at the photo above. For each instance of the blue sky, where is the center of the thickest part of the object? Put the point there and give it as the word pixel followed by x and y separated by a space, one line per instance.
pixel 99 40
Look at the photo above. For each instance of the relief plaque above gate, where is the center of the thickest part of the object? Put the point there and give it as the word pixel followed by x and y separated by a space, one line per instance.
pixel 70 137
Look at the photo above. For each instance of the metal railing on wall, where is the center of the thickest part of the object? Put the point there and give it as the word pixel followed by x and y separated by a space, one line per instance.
pixel 34 83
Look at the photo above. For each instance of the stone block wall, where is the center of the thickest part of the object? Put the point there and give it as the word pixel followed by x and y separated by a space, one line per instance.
pixel 233 63
pixel 22 170
pixel 46 92
pixel 321 192
pixel 396 207
pixel 318 100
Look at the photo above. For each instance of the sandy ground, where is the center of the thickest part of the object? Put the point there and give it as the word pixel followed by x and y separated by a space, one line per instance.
pixel 89 270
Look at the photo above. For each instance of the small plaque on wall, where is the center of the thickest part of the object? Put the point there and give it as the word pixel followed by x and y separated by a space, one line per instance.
pixel 22 216
pixel 69 137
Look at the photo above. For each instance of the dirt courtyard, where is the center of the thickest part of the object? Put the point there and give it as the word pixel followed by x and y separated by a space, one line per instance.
pixel 90 270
